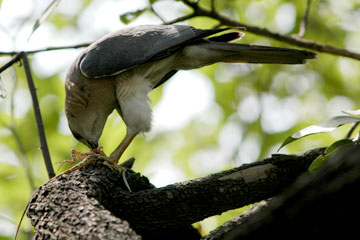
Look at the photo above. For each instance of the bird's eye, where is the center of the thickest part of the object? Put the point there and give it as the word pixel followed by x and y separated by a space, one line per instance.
pixel 72 115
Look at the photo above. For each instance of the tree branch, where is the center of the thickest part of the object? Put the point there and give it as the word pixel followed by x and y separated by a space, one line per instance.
pixel 321 205
pixel 39 122
pixel 81 45
pixel 160 212
pixel 295 40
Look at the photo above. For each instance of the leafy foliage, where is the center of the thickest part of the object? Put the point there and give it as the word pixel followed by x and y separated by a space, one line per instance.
pixel 323 127
pixel 251 108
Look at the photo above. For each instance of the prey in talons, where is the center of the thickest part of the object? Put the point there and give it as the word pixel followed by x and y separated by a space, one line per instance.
pixel 95 156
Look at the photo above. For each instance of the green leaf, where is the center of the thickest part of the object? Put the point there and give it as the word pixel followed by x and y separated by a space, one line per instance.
pixel 338 144
pixel 128 17
pixel 319 161
pixel 323 127
pixel 44 15
pixel 287 141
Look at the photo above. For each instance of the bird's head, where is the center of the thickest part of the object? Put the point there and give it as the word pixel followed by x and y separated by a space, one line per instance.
pixel 86 127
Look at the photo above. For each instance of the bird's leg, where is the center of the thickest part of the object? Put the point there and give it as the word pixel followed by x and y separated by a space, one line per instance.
pixel 116 155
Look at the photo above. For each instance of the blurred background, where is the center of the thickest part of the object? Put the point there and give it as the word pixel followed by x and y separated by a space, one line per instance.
pixel 205 121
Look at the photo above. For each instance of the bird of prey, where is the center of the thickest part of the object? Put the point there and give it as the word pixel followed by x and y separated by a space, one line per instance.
pixel 119 70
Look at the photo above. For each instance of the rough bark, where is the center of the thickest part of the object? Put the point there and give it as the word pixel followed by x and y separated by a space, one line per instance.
pixel 320 205
pixel 93 203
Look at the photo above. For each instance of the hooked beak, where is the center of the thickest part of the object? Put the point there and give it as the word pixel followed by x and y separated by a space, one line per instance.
pixel 92 145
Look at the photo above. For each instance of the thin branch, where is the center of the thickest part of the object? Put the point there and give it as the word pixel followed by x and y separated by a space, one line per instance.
pixel 198 11
pixel 81 45
pixel 39 122
pixel 304 20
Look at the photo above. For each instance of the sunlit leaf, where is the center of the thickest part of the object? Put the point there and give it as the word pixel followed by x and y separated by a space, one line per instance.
pixel 44 15
pixel 287 141
pixel 352 112
pixel 326 126
pixel 323 127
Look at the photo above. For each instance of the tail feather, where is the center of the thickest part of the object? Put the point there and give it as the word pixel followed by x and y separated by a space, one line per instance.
pixel 245 53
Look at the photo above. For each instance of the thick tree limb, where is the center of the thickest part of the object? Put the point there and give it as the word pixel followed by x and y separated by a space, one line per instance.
pixel 321 205
pixel 74 205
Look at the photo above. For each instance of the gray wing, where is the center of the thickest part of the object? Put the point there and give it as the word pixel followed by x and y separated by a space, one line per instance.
pixel 129 47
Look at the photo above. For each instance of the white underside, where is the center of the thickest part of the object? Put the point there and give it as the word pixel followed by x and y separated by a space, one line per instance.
pixel 134 104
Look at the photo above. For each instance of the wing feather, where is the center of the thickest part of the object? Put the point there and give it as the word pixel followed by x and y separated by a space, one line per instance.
pixel 129 47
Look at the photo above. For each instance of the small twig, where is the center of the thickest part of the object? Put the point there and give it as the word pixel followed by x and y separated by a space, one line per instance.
pixel 40 126
pixel 304 20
